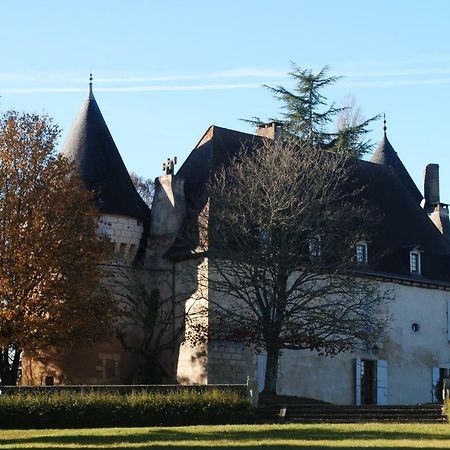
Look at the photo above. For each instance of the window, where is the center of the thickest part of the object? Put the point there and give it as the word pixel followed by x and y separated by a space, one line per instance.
pixel 264 239
pixel 361 253
pixel 314 246
pixel 414 262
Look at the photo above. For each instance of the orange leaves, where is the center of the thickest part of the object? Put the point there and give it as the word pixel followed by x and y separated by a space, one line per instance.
pixel 49 251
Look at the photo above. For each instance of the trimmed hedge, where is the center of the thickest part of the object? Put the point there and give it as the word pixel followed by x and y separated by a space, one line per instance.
pixel 94 409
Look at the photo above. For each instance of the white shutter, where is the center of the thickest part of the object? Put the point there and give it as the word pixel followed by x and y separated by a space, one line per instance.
pixel 434 383
pixel 358 381
pixel 382 378
pixel 448 320
pixel 261 362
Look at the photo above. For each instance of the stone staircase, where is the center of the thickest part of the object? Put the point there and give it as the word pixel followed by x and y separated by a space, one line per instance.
pixel 285 409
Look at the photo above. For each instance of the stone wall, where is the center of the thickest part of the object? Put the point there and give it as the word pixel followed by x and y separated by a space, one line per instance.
pixel 230 362
pixel 412 354
pixel 124 232
pixel 101 363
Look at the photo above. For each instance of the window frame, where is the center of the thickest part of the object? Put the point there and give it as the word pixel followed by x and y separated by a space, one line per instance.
pixel 315 246
pixel 415 263
pixel 365 253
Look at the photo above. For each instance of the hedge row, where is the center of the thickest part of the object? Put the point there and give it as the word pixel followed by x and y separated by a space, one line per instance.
pixel 94 409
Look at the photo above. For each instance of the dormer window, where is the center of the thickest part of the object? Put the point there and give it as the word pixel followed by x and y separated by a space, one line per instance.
pixel 315 246
pixel 414 262
pixel 361 253
pixel 264 240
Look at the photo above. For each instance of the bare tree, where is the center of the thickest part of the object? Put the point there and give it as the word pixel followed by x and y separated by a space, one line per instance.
pixel 145 187
pixel 280 230
pixel 151 318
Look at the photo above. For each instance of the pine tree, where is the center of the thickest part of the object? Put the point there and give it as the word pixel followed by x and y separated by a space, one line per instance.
pixel 307 116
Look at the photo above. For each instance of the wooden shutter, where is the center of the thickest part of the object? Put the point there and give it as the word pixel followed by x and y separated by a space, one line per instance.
pixel 448 320
pixel 261 361
pixel 358 381
pixel 434 383
pixel 382 379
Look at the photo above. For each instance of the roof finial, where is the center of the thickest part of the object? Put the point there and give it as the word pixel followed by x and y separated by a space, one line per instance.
pixel 91 95
pixel 384 124
pixel 169 166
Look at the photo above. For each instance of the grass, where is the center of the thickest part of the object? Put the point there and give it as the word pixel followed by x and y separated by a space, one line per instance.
pixel 339 436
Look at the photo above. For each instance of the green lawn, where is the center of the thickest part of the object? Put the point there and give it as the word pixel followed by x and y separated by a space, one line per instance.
pixel 355 436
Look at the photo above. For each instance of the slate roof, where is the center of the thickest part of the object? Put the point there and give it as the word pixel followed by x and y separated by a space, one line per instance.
pixel 403 225
pixel 216 147
pixel 385 185
pixel 92 147
pixel 387 156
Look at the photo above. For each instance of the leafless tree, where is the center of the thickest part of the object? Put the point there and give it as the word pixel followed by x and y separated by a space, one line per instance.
pixel 151 317
pixel 279 230
pixel 144 186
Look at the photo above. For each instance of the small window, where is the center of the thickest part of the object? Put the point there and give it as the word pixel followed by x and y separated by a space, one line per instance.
pixel 414 262
pixel 315 246
pixel 361 253
pixel 264 239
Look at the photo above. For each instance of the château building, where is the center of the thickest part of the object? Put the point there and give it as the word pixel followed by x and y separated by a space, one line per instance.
pixel 412 243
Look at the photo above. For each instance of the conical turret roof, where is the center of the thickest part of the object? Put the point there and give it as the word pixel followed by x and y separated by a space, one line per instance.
pixel 387 156
pixel 92 148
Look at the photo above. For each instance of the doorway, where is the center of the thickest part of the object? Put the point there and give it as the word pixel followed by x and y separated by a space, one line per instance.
pixel 371 378
pixel 368 382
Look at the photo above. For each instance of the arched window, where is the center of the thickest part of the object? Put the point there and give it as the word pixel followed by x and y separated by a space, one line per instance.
pixel 362 256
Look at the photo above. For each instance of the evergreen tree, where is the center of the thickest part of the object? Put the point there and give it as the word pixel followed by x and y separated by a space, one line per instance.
pixel 307 116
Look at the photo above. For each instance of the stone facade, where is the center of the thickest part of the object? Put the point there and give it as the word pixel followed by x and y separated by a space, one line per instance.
pixel 124 232
pixel 103 363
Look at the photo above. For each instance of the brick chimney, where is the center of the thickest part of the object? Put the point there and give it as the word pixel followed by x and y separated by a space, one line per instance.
pixel 271 130
pixel 437 211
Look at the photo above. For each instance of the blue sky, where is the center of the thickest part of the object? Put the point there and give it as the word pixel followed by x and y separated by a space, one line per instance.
pixel 165 70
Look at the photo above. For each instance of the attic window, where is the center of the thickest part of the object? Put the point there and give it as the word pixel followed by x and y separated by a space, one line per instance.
pixel 264 239
pixel 315 246
pixel 361 253
pixel 414 262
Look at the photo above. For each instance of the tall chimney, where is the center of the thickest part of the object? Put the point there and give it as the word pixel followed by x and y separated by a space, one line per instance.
pixel 168 212
pixel 431 185
pixel 437 211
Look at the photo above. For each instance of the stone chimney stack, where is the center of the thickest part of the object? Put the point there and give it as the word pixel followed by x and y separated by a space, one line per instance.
pixel 168 212
pixel 271 130
pixel 437 211
pixel 431 185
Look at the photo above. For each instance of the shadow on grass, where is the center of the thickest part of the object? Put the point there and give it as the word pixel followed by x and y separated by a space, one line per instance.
pixel 245 436
pixel 233 447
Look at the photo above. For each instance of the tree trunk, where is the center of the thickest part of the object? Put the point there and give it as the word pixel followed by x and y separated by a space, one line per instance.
pixel 9 368
pixel 270 380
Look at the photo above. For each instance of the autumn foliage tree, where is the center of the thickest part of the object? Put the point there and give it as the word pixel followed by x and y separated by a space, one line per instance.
pixel 280 231
pixel 50 292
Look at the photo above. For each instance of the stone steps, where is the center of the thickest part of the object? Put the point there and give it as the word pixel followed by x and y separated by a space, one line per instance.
pixel 301 413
